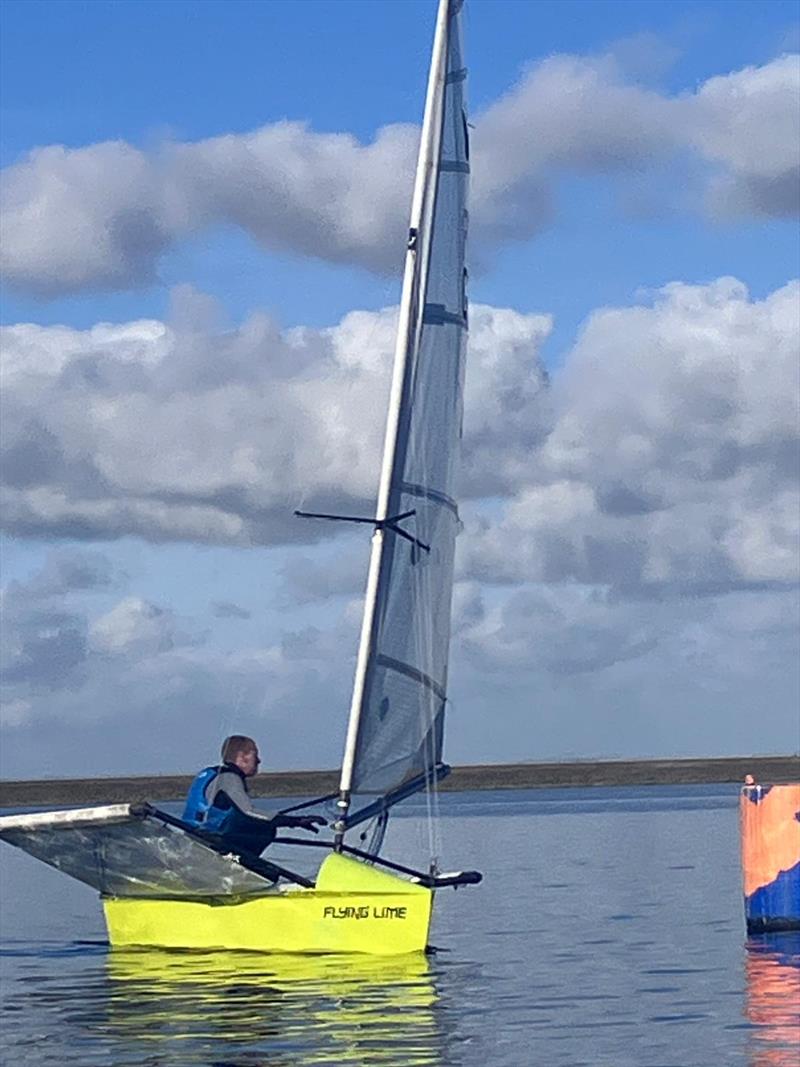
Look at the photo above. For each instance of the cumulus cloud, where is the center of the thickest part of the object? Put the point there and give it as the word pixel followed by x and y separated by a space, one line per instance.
pixel 148 690
pixel 664 455
pixel 45 640
pixel 567 114
pixel 748 122
pixel 100 216
pixel 53 638
pixel 561 628
pixel 94 217
pixel 630 552
pixel 69 570
pixel 46 649
pixel 325 195
pixel 672 461
pixel 170 432
pixel 575 671
pixel 135 626
pixel 569 629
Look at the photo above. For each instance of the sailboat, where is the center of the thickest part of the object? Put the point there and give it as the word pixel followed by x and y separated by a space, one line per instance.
pixel 165 884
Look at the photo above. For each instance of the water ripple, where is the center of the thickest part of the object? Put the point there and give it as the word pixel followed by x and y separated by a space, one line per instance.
pixel 604 934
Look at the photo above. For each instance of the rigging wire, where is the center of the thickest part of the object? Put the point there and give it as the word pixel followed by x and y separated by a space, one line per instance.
pixel 378 833
pixel 371 837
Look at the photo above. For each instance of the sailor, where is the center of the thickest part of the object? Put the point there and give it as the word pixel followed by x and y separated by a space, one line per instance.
pixel 219 804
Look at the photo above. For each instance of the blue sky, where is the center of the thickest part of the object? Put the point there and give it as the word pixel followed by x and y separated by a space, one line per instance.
pixel 341 66
pixel 603 226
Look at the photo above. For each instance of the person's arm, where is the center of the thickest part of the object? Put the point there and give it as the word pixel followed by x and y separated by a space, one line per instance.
pixel 233 788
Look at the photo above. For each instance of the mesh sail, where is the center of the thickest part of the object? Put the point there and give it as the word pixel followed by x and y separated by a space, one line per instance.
pixel 127 855
pixel 401 723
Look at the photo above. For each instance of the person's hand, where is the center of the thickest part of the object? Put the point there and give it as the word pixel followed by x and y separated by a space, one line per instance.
pixel 311 822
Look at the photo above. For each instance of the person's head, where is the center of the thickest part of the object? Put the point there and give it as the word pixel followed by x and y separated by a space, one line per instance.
pixel 242 752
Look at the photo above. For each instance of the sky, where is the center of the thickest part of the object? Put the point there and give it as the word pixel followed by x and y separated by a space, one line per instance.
pixel 203 216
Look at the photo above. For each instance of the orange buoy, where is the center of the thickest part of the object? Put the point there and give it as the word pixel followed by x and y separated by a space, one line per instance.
pixel 770 831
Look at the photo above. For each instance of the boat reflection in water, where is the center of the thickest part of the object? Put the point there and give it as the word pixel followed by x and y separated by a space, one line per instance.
pixel 246 1009
pixel 773 999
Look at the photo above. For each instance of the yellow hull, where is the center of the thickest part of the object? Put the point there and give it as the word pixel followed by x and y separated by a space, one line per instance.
pixel 354 908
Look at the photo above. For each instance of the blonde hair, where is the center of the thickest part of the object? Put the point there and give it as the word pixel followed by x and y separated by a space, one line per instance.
pixel 235 745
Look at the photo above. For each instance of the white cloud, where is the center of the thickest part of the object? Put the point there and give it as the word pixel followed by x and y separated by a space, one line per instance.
pixel 146 689
pixel 540 671
pixel 567 114
pixel 507 410
pixel 568 671
pixel 749 123
pixel 134 625
pixel 94 217
pixel 664 455
pixel 562 628
pixel 634 564
pixel 66 571
pixel 100 216
pixel 672 461
pixel 325 195
pixel 173 433
pixel 44 648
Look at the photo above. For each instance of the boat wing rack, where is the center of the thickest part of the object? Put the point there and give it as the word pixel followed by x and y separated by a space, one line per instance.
pixel 136 850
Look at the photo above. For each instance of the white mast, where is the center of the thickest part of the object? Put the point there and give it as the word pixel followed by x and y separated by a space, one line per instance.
pixel 416 267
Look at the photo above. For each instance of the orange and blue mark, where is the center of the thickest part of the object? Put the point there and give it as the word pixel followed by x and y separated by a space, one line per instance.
pixel 770 825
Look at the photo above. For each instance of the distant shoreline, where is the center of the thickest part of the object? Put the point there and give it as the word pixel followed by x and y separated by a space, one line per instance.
pixel 583 773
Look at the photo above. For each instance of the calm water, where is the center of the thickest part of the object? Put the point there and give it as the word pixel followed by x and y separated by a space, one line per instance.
pixel 608 932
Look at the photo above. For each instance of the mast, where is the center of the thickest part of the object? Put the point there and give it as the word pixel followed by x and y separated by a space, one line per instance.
pixel 414 278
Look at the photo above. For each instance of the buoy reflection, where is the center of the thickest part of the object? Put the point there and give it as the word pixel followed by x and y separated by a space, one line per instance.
pixel 773 999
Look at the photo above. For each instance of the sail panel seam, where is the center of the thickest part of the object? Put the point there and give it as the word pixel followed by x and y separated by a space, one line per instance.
pixel 454 166
pixel 414 673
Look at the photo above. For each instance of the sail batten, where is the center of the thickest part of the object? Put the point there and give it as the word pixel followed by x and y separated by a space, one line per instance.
pixel 430 494
pixel 411 672
pixel 396 725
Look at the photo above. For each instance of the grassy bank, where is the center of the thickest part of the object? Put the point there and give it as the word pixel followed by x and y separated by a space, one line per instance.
pixel 86 791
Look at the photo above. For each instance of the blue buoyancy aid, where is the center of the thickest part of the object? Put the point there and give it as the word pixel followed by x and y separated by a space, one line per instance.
pixel 221 818
pixel 197 806
pixel 231 824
